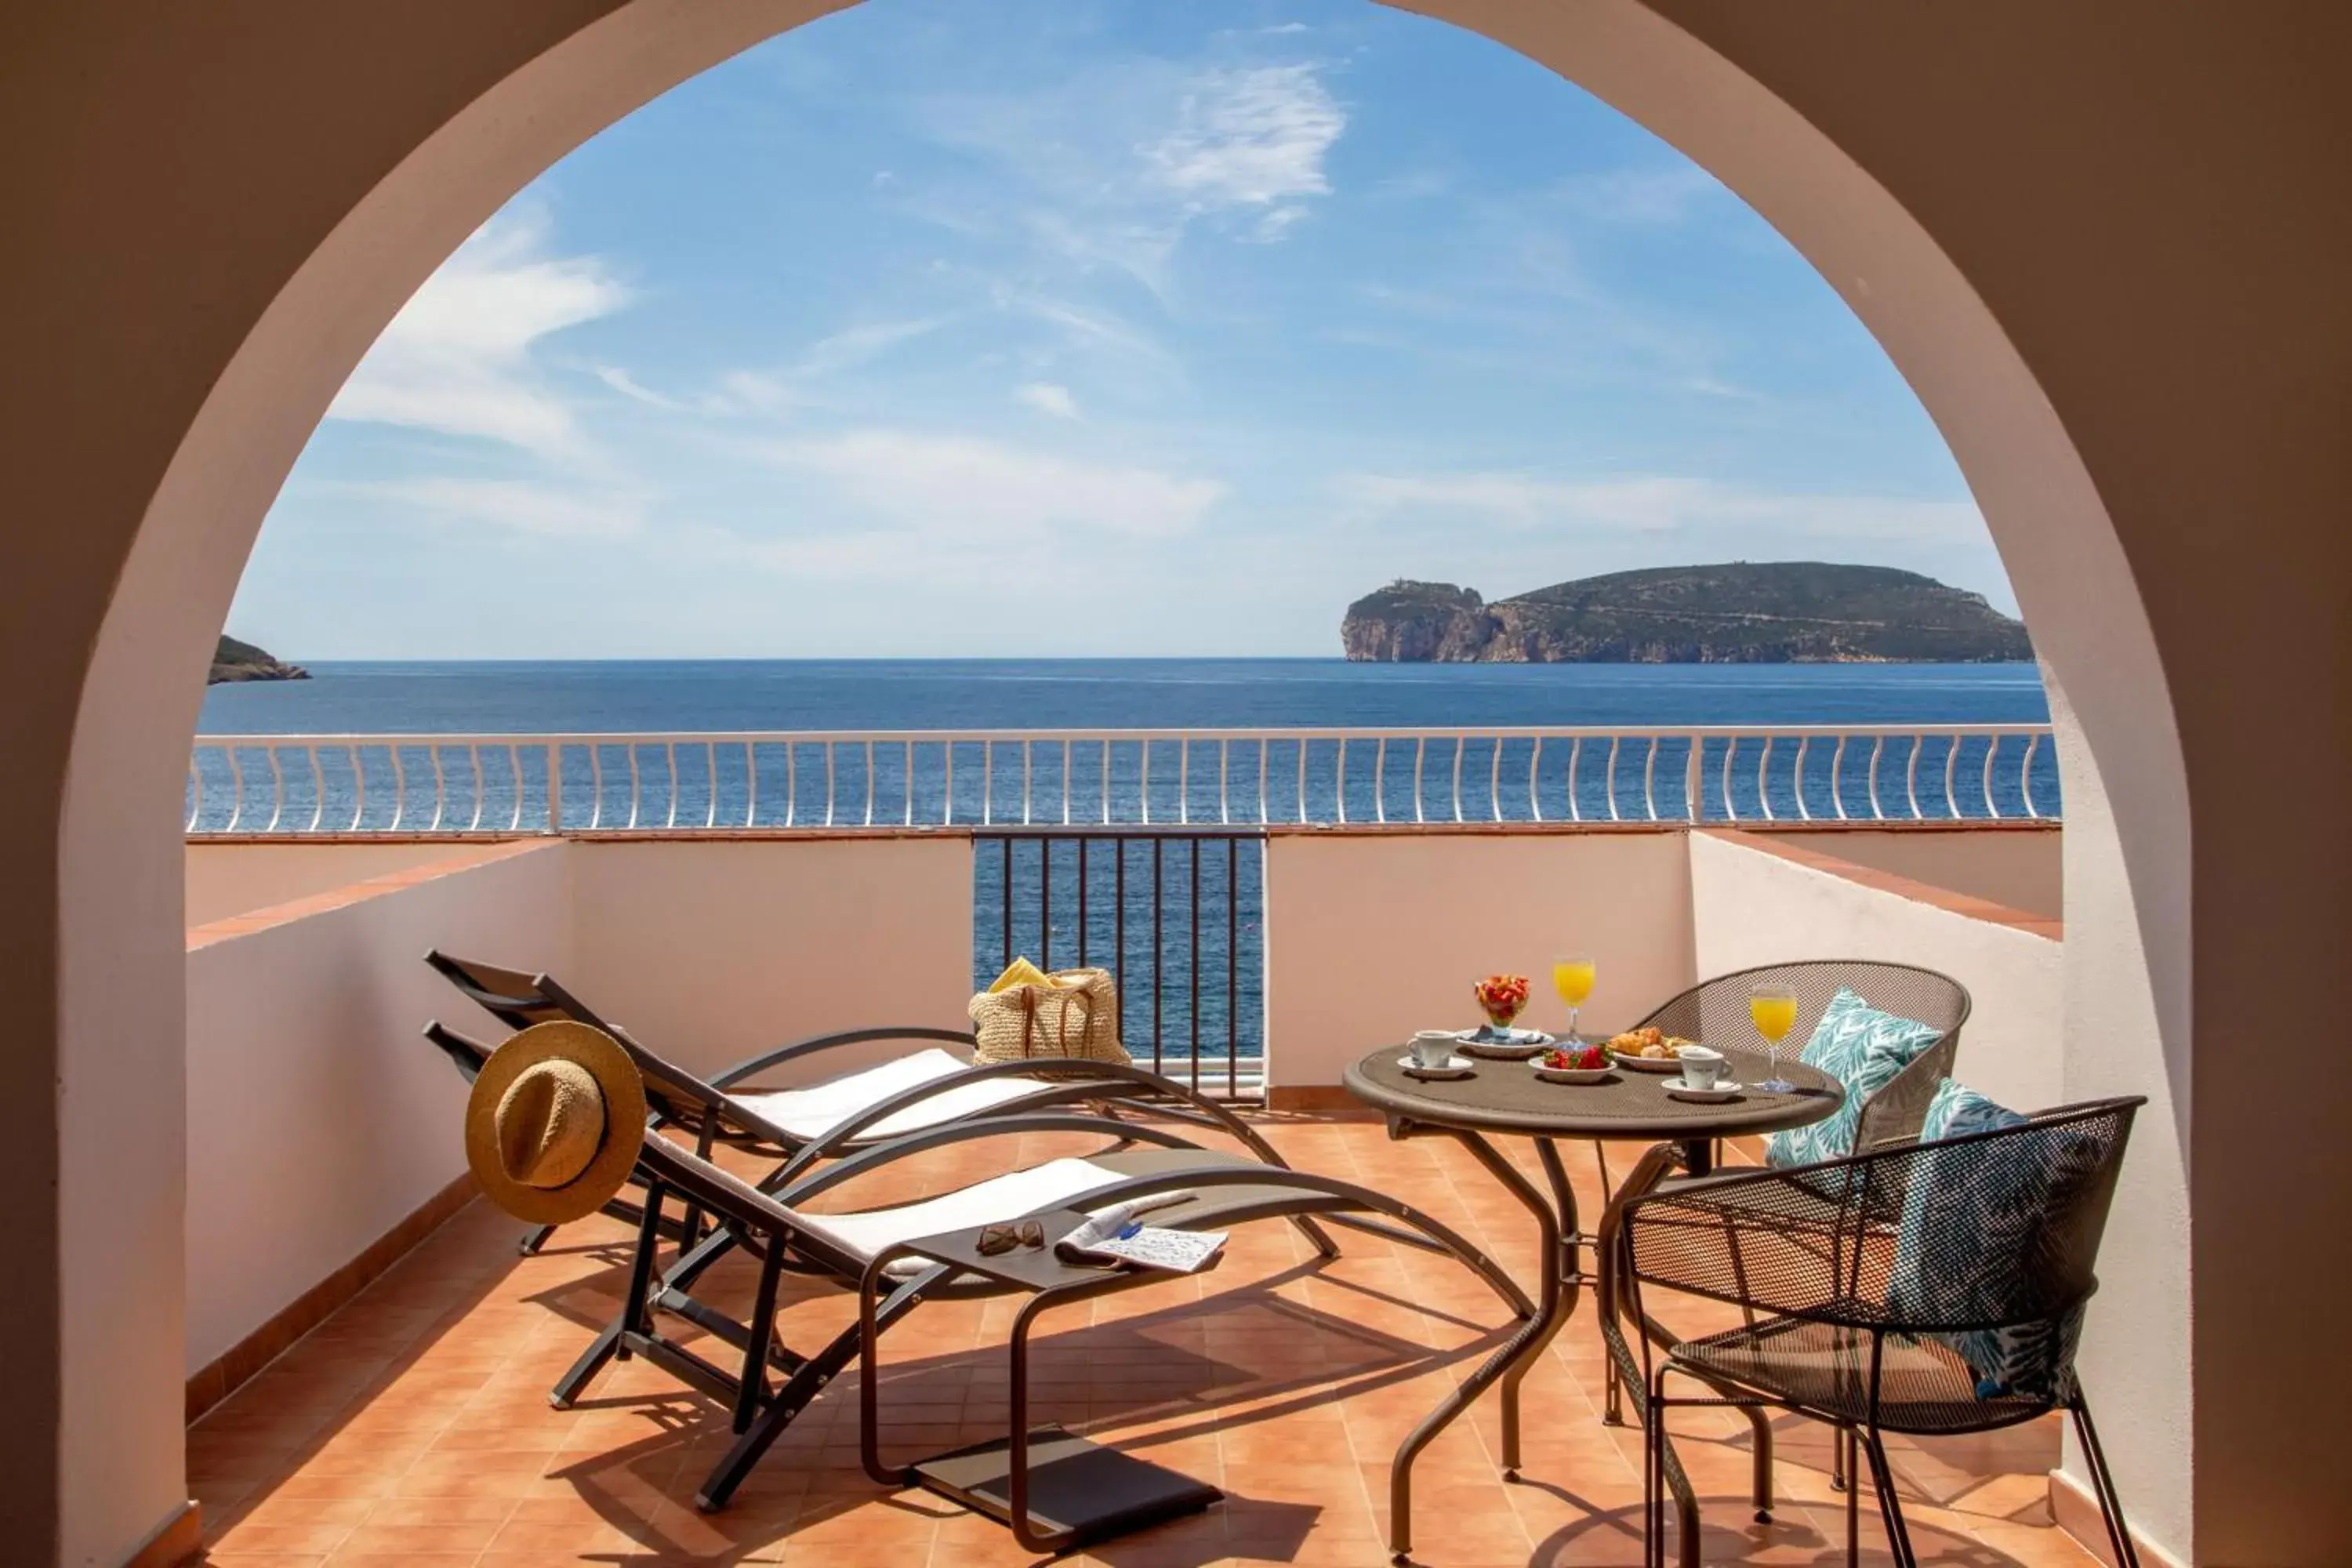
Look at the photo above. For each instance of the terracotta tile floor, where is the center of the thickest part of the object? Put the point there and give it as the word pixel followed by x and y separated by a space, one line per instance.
pixel 413 1427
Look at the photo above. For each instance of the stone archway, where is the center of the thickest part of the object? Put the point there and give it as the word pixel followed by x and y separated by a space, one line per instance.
pixel 339 156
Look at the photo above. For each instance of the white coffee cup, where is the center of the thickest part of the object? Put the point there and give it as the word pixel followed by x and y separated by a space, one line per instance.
pixel 1702 1067
pixel 1433 1047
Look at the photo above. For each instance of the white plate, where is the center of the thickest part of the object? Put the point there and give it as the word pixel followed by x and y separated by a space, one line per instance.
pixel 1570 1075
pixel 1486 1035
pixel 1724 1090
pixel 1646 1064
pixel 1456 1066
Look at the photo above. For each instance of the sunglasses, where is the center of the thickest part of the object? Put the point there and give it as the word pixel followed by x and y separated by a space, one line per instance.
pixel 996 1239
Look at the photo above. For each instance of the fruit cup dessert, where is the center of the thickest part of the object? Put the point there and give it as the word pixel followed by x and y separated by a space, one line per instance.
pixel 1500 997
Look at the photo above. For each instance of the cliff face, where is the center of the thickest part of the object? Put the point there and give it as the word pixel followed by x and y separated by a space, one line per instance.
pixel 1743 613
pixel 235 660
pixel 1412 623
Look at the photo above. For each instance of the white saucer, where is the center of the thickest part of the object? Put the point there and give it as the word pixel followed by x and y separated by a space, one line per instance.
pixel 1455 1066
pixel 1724 1090
pixel 1487 1035
pixel 1571 1075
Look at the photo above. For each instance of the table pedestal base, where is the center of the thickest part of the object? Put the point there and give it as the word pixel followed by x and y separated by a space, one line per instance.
pixel 1078 1490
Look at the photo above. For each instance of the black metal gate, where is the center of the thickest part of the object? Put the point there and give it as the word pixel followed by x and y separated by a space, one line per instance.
pixel 1177 916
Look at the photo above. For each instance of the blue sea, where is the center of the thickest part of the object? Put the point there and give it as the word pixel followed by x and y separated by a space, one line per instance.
pixel 575 697
pixel 1179 917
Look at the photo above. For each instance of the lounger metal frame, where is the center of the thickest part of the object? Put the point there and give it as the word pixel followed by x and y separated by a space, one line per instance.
pixel 766 1223
pixel 711 1113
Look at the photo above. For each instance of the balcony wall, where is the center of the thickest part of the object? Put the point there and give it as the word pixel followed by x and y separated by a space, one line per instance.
pixel 225 880
pixel 319 1123
pixel 1371 935
pixel 713 950
pixel 2016 866
pixel 1757 900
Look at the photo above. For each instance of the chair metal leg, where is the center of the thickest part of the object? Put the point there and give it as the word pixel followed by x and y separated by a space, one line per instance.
pixel 768 1426
pixel 532 1240
pixel 1882 1474
pixel 1760 1431
pixel 752 1390
pixel 1653 1501
pixel 574 1383
pixel 2103 1484
pixel 1843 1450
pixel 1656 1485
pixel 634 1315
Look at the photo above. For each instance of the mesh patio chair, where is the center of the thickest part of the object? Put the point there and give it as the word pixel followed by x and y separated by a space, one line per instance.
pixel 1716 1010
pixel 862 1250
pixel 801 1126
pixel 1925 1289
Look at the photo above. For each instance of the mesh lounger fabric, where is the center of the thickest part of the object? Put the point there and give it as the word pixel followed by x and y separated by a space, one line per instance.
pixel 812 1112
pixel 1058 1184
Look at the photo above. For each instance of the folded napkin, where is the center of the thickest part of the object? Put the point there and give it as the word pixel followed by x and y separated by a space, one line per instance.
pixel 1021 973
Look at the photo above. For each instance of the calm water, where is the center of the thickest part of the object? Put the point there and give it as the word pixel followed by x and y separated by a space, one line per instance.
pixel 1043 694
pixel 1180 919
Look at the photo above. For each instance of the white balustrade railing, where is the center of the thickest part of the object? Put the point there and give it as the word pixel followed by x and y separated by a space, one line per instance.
pixel 500 785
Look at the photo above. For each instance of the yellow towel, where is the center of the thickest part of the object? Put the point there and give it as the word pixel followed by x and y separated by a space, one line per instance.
pixel 1022 972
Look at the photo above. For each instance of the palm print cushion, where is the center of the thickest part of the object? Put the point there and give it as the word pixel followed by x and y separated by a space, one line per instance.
pixel 1863 1048
pixel 1970 1222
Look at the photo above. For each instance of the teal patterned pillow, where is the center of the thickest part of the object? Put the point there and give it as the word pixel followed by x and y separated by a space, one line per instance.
pixel 1965 1216
pixel 1863 1048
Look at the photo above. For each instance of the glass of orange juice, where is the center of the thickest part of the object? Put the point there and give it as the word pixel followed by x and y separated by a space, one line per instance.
pixel 1571 976
pixel 1772 1008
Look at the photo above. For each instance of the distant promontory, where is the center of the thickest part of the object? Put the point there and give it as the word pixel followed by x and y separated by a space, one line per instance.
pixel 1785 612
pixel 235 660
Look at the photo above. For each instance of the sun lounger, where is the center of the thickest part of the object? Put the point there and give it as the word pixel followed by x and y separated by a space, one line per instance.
pixel 877 1252
pixel 802 1126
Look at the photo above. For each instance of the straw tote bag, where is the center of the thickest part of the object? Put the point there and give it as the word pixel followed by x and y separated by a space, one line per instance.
pixel 1077 1016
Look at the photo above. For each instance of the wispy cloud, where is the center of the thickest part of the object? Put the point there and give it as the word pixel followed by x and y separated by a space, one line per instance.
pixel 1112 166
pixel 1650 503
pixel 858 345
pixel 515 506
pixel 462 356
pixel 966 485
pixel 629 386
pixel 1645 195
pixel 798 384
pixel 1254 138
pixel 1046 397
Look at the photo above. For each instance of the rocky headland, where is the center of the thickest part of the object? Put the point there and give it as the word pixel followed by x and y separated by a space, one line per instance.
pixel 235 660
pixel 1791 612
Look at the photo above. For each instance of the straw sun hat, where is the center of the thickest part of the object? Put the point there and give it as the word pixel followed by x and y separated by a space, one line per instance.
pixel 556 1118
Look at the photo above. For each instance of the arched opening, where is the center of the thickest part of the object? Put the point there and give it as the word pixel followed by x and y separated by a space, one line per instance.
pixel 2128 884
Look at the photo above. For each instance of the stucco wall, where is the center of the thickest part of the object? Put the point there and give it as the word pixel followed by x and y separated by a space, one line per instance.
pixel 1371 937
pixel 236 879
pixel 713 951
pixel 1749 906
pixel 2101 240
pixel 317 1118
pixel 2022 867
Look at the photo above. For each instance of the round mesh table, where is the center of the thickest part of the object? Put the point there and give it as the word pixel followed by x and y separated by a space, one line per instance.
pixel 1507 1098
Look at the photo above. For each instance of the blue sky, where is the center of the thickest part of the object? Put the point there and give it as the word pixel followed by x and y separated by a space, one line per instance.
pixel 1073 327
